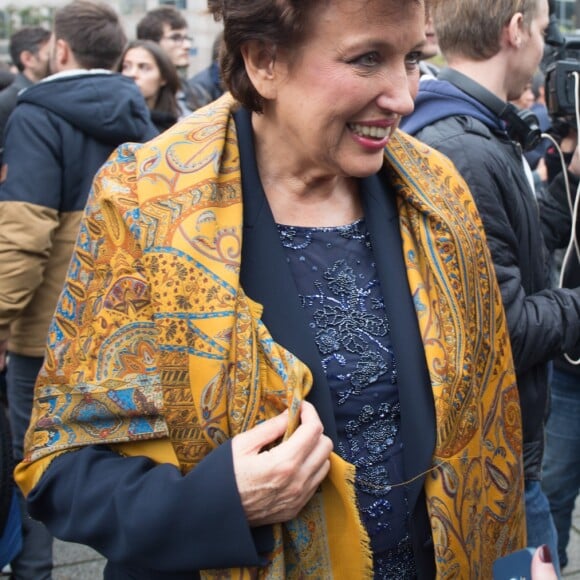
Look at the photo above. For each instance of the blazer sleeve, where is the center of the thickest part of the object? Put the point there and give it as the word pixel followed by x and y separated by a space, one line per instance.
pixel 146 515
pixel 136 510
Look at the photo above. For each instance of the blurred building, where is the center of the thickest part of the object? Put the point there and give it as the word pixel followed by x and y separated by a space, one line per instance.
pixel 17 13
pixel 568 13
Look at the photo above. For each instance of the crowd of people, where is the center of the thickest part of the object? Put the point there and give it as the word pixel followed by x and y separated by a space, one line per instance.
pixel 292 316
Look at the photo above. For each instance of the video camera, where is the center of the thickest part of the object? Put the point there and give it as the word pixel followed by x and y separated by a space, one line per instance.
pixel 561 60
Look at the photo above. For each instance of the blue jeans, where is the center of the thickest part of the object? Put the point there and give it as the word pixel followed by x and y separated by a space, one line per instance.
pixel 35 559
pixel 539 524
pixel 561 467
pixel 11 536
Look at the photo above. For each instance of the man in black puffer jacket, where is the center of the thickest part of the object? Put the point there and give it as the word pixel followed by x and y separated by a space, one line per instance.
pixel 493 48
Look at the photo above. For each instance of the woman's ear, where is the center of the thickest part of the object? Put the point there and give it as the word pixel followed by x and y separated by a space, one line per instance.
pixel 261 67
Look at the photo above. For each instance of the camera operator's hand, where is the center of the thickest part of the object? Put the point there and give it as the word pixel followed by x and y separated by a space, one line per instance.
pixel 542 170
pixel 574 166
pixel 569 144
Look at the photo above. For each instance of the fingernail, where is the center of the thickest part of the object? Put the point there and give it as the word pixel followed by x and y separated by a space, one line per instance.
pixel 545 554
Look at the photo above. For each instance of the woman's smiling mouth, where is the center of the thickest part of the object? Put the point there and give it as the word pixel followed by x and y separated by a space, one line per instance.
pixel 372 131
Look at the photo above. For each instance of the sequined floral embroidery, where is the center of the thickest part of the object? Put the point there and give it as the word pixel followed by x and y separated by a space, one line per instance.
pixel 339 289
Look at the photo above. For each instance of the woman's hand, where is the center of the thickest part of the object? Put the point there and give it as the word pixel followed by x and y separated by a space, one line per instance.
pixel 275 485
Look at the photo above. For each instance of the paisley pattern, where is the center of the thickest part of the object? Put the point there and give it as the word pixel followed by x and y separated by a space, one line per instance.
pixel 468 352
pixel 154 339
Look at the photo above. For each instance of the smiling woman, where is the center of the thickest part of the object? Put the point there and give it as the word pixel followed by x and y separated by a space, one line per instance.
pixel 289 354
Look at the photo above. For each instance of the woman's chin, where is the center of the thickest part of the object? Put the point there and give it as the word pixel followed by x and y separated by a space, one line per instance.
pixel 365 166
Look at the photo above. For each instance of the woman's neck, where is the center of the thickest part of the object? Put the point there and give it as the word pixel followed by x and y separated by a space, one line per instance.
pixel 323 207
pixel 302 196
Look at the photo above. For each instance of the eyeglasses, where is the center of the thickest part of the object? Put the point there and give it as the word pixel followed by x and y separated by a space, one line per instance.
pixel 178 38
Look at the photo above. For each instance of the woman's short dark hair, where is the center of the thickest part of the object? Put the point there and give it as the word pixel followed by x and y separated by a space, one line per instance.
pixel 277 22
pixel 166 99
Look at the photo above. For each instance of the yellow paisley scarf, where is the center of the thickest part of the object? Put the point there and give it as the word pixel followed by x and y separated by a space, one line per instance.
pixel 155 350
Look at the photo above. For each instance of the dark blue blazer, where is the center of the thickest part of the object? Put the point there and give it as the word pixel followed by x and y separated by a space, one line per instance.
pixel 267 279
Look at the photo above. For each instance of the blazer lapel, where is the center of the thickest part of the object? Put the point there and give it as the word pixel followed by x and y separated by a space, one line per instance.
pixel 415 394
pixel 266 277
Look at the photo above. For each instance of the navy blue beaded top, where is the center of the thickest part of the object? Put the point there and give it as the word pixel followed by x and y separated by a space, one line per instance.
pixel 338 286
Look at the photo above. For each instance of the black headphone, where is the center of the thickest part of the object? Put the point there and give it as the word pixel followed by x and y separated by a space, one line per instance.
pixel 522 126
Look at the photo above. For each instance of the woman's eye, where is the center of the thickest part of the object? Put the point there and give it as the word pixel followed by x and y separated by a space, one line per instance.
pixel 413 58
pixel 369 59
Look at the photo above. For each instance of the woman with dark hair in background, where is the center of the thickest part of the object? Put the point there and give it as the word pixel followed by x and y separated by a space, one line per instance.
pixel 281 274
pixel 156 76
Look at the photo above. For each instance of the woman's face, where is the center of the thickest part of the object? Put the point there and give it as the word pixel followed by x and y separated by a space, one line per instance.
pixel 341 94
pixel 140 65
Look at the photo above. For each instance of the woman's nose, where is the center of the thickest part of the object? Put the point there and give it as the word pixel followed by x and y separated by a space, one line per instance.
pixel 398 93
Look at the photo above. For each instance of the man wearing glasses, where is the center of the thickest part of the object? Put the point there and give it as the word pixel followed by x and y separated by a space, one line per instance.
pixel 167 27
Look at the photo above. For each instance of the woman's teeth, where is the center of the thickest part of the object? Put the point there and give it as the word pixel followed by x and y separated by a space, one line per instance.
pixel 370 131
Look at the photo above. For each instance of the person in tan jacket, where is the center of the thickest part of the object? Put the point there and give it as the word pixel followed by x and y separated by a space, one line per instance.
pixel 61 131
